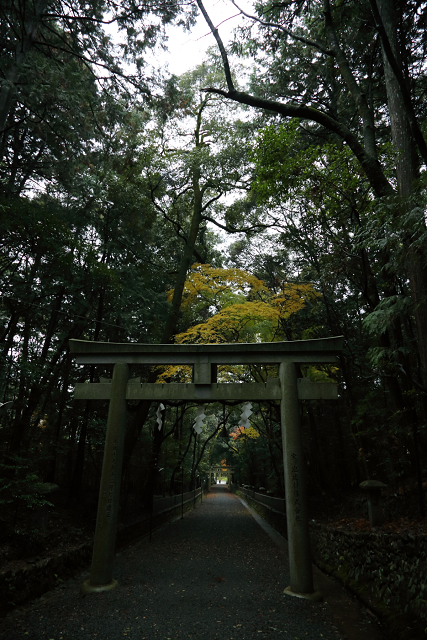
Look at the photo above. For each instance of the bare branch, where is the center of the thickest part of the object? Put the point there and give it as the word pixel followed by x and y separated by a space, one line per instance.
pixel 369 162
pixel 291 34
pixel 371 166
pixel 233 229
pixel 220 44
pixel 212 200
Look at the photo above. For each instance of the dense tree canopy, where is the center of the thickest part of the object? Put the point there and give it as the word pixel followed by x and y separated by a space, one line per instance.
pixel 276 191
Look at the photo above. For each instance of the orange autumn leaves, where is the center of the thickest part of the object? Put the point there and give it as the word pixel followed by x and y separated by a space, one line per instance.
pixel 249 432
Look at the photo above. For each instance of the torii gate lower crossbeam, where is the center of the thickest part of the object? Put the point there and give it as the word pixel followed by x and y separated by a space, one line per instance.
pixel 205 359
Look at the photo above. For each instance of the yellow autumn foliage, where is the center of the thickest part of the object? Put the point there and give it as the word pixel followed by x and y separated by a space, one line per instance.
pixel 250 321
pixel 246 310
pixel 250 432
pixel 231 323
pixel 293 297
pixel 174 373
pixel 215 287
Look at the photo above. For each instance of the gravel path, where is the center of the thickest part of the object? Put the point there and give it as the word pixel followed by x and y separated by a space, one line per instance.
pixel 214 574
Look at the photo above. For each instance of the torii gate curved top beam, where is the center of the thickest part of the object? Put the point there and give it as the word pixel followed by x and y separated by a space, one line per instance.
pixel 300 351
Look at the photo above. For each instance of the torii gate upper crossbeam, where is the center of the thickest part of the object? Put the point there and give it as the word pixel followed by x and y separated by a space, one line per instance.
pixel 299 351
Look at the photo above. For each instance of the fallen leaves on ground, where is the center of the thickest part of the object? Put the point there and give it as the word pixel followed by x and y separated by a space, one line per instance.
pixel 400 526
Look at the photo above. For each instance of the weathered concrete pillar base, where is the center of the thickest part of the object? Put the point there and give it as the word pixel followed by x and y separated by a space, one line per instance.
pixel 86 587
pixel 315 596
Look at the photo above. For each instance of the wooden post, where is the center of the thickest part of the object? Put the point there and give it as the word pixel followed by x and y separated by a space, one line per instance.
pixel 101 574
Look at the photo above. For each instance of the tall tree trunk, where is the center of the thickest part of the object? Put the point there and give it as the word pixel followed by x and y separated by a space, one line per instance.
pixel 76 481
pixel 407 174
pixel 154 464
pixel 80 458
pixel 29 33
pixel 50 471
pixel 141 414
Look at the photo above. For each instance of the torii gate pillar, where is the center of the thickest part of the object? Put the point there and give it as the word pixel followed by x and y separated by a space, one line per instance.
pixel 295 486
pixel 101 574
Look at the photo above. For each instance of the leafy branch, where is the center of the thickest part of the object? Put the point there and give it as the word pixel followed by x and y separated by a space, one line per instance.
pixel 370 164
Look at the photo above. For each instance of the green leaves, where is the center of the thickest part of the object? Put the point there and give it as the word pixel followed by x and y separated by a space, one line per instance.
pixel 288 166
pixel 387 311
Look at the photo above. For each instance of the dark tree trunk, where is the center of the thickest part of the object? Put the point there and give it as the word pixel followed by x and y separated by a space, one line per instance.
pixel 141 414
pixel 50 471
pixel 407 174
pixel 76 481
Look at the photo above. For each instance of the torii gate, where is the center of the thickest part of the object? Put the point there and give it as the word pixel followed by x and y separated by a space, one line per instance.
pixel 205 358
pixel 218 469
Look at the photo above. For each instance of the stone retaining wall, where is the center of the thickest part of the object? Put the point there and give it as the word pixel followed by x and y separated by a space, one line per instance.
pixel 388 571
pixel 392 567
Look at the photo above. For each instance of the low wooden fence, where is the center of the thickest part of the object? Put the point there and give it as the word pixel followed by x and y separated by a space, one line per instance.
pixel 160 505
pixel 275 504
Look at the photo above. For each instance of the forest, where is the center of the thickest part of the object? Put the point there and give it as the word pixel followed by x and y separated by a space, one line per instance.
pixel 274 192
